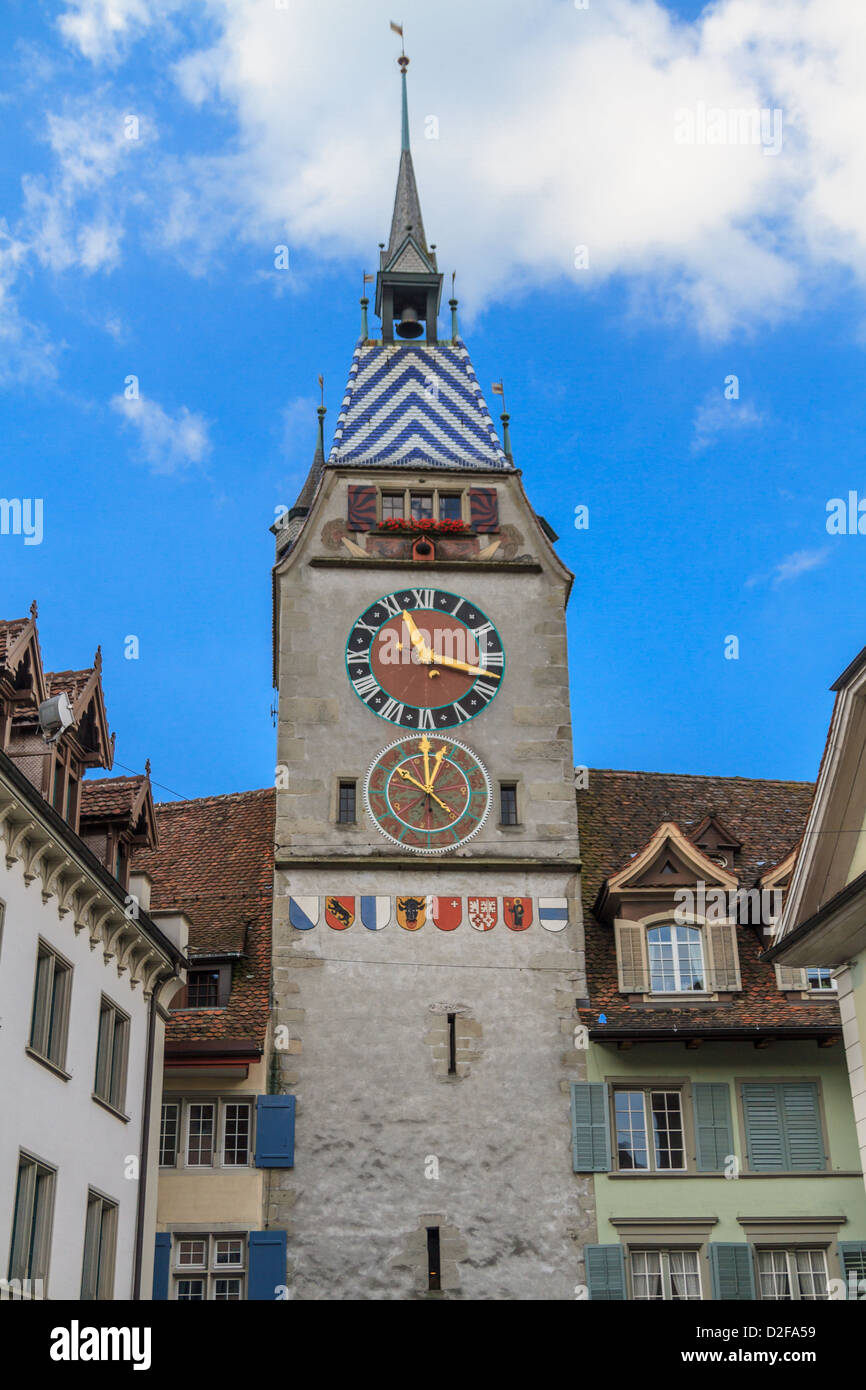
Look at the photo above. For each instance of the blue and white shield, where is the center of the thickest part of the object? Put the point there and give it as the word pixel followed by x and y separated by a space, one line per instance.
pixel 553 913
pixel 304 913
pixel 375 913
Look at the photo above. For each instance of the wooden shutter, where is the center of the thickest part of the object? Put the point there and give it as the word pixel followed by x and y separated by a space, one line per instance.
pixel 267 1263
pixel 362 507
pixel 801 1114
pixel 733 1271
pixel 631 958
pixel 852 1257
pixel 791 977
pixel 590 1129
pixel 765 1137
pixel 724 957
pixel 161 1262
pixel 713 1130
pixel 224 986
pixel 484 509
pixel 605 1272
pixel 275 1131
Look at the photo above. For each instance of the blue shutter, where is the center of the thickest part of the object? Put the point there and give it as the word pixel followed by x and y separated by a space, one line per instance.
pixel 802 1118
pixel 766 1151
pixel 852 1257
pixel 275 1132
pixel 713 1132
pixel 733 1272
pixel 590 1131
pixel 161 1261
pixel 267 1264
pixel 605 1272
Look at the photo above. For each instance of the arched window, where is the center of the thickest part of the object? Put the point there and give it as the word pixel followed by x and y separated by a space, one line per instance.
pixel 676 959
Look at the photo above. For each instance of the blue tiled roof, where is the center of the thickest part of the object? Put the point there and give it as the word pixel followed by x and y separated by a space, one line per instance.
pixel 418 405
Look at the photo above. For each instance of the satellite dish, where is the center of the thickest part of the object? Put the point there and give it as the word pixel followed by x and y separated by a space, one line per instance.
pixel 55 716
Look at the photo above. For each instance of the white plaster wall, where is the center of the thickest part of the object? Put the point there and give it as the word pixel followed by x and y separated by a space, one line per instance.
pixel 57 1120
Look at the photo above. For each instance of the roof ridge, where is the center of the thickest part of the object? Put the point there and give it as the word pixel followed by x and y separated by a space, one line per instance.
pixel 220 796
pixel 703 776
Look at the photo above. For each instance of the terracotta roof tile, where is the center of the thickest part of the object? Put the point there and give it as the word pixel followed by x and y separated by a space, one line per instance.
pixel 215 862
pixel 618 814
pixel 73 682
pixel 110 796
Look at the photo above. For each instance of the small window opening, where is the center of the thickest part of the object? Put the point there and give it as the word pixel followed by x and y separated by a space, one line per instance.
pixel 452 1044
pixel 346 811
pixel 434 1273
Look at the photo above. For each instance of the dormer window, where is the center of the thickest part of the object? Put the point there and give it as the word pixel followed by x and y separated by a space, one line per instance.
pixel 676 959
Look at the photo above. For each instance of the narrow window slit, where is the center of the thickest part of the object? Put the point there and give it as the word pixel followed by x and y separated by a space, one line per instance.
pixel 434 1273
pixel 452 1044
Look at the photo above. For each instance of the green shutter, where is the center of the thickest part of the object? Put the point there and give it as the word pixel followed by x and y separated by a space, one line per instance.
pixel 590 1132
pixel 733 1271
pixel 605 1272
pixel 852 1257
pixel 783 1127
pixel 766 1151
pixel 713 1131
pixel 802 1118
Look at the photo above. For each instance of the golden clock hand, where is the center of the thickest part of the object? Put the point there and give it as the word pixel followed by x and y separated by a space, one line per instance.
pixel 407 777
pixel 463 666
pixel 439 756
pixel 424 653
pixel 424 745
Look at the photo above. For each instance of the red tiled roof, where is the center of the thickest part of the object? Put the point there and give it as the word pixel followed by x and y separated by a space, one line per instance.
pixel 110 796
pixel 215 862
pixel 618 814
pixel 73 682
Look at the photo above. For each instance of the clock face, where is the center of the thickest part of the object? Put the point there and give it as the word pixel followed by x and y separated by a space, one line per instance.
pixel 427 794
pixel 425 659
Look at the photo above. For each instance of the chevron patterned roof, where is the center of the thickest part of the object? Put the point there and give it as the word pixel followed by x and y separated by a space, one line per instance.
pixel 415 404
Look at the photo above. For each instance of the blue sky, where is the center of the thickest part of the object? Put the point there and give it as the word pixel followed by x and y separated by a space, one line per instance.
pixel 154 257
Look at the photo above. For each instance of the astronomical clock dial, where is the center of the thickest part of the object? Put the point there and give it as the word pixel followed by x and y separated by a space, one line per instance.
pixel 427 794
pixel 425 659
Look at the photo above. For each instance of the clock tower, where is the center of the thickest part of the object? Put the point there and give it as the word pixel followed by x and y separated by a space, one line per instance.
pixel 428 946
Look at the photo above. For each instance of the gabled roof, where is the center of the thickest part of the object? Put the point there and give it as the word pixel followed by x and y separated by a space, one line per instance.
pixel 215 863
pixel 668 856
pixel 415 405
pixel 17 636
pixel 126 801
pixel 84 689
pixel 618 814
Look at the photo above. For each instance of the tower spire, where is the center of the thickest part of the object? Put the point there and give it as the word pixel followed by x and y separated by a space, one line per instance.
pixel 407 217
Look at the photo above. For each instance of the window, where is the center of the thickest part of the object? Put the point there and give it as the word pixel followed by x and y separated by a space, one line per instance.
pixel 508 803
pixel 346 807
pixel 31 1223
pixel 203 989
pixel 452 1044
pixel 791 1274
pixel 392 505
pixel 216 1133
pixel 676 959
pixel 59 783
pixel 821 980
pixel 50 1020
pixel 422 506
pixel 434 1266
pixel 209 1267
pixel 120 862
pixel 200 1135
pixel 665 1274
pixel 236 1133
pixel 649 1130
pixel 71 799
pixel 450 506
pixel 100 1236
pixel 168 1134
pixel 111 1055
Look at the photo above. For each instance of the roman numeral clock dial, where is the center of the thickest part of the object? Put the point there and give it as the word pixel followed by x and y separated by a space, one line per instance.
pixel 425 659
pixel 428 661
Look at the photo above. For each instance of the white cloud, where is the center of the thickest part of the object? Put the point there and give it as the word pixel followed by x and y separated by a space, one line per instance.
pixel 557 128
pixel 102 29
pixel 791 567
pixel 716 415
pixel 169 443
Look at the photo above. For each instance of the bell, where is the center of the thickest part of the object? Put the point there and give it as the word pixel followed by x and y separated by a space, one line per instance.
pixel 409 327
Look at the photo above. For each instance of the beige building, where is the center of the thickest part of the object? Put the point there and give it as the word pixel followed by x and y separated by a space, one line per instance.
pixel 823 926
